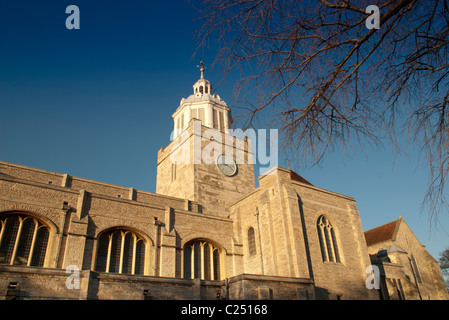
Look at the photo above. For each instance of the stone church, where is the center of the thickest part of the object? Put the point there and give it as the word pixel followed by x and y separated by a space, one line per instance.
pixel 207 233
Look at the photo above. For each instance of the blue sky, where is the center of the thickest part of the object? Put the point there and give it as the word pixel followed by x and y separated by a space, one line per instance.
pixel 97 103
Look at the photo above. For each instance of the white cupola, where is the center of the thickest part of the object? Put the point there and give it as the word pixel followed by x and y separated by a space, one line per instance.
pixel 209 108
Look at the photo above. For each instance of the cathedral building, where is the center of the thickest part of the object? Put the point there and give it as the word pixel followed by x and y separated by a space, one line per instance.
pixel 207 233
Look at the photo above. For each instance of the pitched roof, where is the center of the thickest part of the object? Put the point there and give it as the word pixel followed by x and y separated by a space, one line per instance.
pixel 296 177
pixel 382 233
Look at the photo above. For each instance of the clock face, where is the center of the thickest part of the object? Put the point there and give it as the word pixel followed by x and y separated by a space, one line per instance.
pixel 226 165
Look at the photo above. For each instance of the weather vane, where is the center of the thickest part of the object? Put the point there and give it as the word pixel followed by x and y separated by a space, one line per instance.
pixel 201 68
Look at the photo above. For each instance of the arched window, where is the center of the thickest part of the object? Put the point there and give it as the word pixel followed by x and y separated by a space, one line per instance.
pixel 120 251
pixel 202 260
pixel 328 241
pixel 23 240
pixel 251 242
pixel 201 89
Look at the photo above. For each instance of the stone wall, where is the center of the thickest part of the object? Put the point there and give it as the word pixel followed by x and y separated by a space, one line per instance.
pixel 287 262
pixel 284 215
pixel 258 287
pixel 400 249
pixel 76 218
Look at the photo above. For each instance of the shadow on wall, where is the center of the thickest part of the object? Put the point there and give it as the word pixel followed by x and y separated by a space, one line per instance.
pixel 306 240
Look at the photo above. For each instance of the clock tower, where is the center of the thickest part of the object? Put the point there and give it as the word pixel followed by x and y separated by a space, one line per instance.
pixel 205 163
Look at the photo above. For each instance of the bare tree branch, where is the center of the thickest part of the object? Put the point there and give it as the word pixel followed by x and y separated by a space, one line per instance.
pixel 316 71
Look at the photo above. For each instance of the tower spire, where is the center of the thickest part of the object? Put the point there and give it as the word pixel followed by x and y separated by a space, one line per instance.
pixel 202 69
